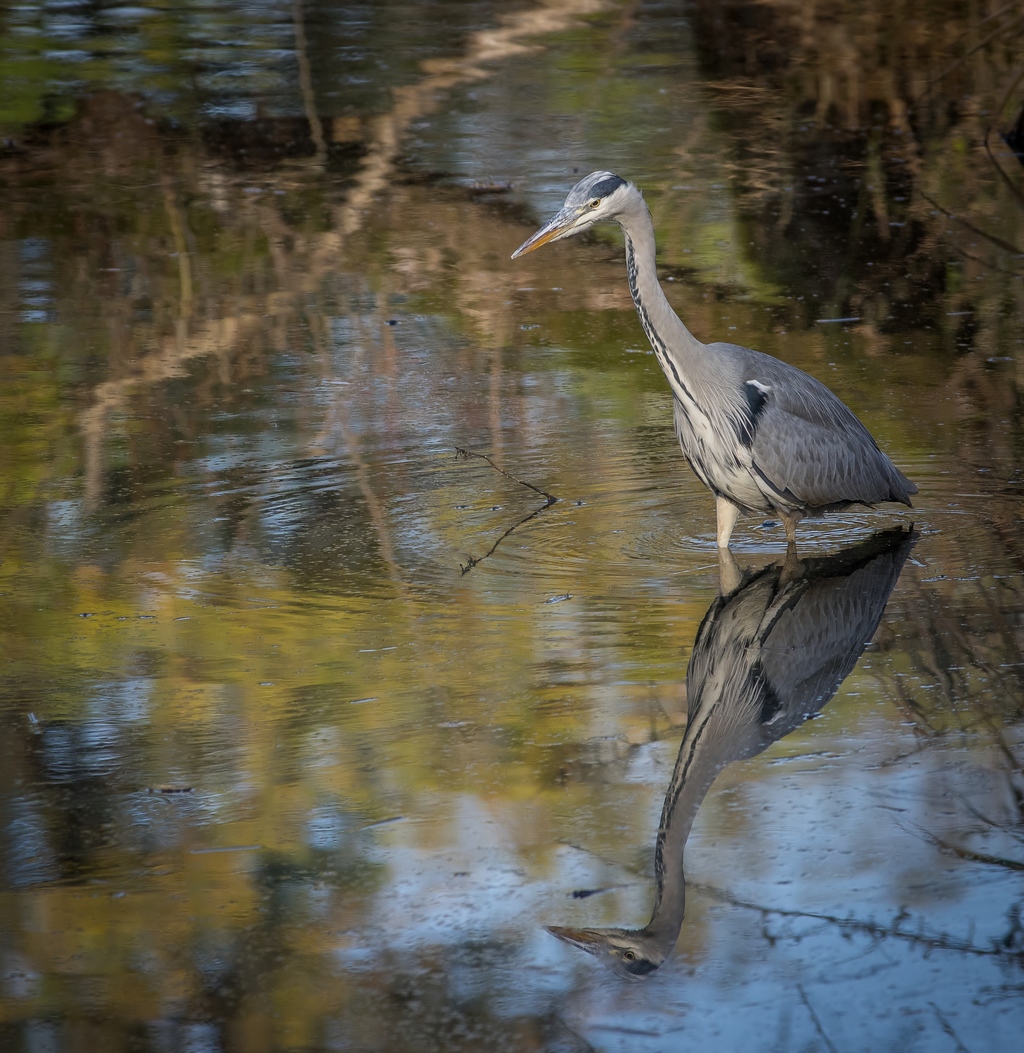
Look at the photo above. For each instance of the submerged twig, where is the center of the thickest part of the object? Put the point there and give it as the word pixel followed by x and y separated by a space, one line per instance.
pixel 986 263
pixel 549 500
pixel 474 560
pixel 466 454
pixel 948 1028
pixel 984 21
pixel 937 941
pixel 1015 78
pixel 1006 246
pixel 969 854
pixel 990 823
pixel 814 1017
pixel 984 42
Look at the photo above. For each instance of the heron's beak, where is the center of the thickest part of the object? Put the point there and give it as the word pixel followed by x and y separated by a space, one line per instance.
pixel 592 941
pixel 557 227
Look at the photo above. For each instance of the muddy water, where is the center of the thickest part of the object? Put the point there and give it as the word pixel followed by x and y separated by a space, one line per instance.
pixel 312 725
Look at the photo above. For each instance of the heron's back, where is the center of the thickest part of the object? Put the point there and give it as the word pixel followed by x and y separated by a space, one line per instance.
pixel 768 436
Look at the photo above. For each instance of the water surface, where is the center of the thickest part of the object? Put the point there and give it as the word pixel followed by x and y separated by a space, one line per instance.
pixel 302 749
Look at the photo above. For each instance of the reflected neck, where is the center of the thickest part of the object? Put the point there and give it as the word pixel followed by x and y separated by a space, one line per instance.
pixel 696 768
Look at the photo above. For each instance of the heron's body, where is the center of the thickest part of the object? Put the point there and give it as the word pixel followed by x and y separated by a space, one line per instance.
pixel 761 435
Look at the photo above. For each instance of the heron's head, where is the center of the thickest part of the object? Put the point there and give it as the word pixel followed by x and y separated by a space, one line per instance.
pixel 632 953
pixel 598 197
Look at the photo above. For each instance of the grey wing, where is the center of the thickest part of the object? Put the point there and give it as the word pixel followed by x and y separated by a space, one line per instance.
pixel 808 445
pixel 773 653
pixel 725 685
pixel 816 641
pixel 730 698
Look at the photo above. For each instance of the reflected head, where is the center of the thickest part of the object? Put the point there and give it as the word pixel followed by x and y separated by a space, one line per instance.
pixel 631 953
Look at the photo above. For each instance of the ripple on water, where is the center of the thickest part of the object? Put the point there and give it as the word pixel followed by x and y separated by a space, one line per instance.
pixel 406 519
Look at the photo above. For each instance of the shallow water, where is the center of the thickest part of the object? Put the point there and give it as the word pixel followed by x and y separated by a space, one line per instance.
pixel 304 747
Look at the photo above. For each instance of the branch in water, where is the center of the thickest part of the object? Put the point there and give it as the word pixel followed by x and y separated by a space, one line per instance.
pixel 967 853
pixel 948 1028
pixel 1006 948
pixel 466 454
pixel 549 500
pixel 816 1021
pixel 933 941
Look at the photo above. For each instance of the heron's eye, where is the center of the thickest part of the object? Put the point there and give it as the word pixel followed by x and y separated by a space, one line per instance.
pixel 595 202
pixel 630 956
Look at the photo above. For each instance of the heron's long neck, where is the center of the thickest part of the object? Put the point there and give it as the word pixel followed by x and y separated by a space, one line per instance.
pixel 674 344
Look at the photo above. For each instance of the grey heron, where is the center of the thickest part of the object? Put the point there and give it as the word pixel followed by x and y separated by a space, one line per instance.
pixel 761 435
pixel 767 658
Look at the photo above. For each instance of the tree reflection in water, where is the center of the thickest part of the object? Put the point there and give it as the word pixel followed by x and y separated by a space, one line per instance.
pixel 232 377
pixel 768 656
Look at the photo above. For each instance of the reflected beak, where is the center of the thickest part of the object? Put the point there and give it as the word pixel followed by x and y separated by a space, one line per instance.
pixel 559 225
pixel 586 939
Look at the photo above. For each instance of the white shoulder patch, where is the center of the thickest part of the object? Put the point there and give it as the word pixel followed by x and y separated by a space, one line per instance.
pixel 765 389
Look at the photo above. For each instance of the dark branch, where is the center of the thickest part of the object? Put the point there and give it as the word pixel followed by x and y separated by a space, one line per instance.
pixel 948 1028
pixel 474 560
pixel 970 854
pixel 1006 246
pixel 938 941
pixel 460 452
pixel 817 1023
pixel 549 500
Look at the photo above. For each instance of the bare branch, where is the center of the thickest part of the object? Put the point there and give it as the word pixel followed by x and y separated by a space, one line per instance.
pixel 936 941
pixel 474 560
pixel 1005 28
pixel 817 1023
pixel 549 500
pixel 466 454
pixel 1006 246
pixel 970 854
pixel 948 1028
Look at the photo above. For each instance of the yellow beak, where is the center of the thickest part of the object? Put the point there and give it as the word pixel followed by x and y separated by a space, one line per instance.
pixel 557 227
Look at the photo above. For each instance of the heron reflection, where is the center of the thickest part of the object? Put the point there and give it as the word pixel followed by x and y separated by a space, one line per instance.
pixel 767 657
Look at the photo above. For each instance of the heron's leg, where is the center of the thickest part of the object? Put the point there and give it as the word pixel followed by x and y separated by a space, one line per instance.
pixel 790 521
pixel 729 575
pixel 727 514
pixel 792 568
